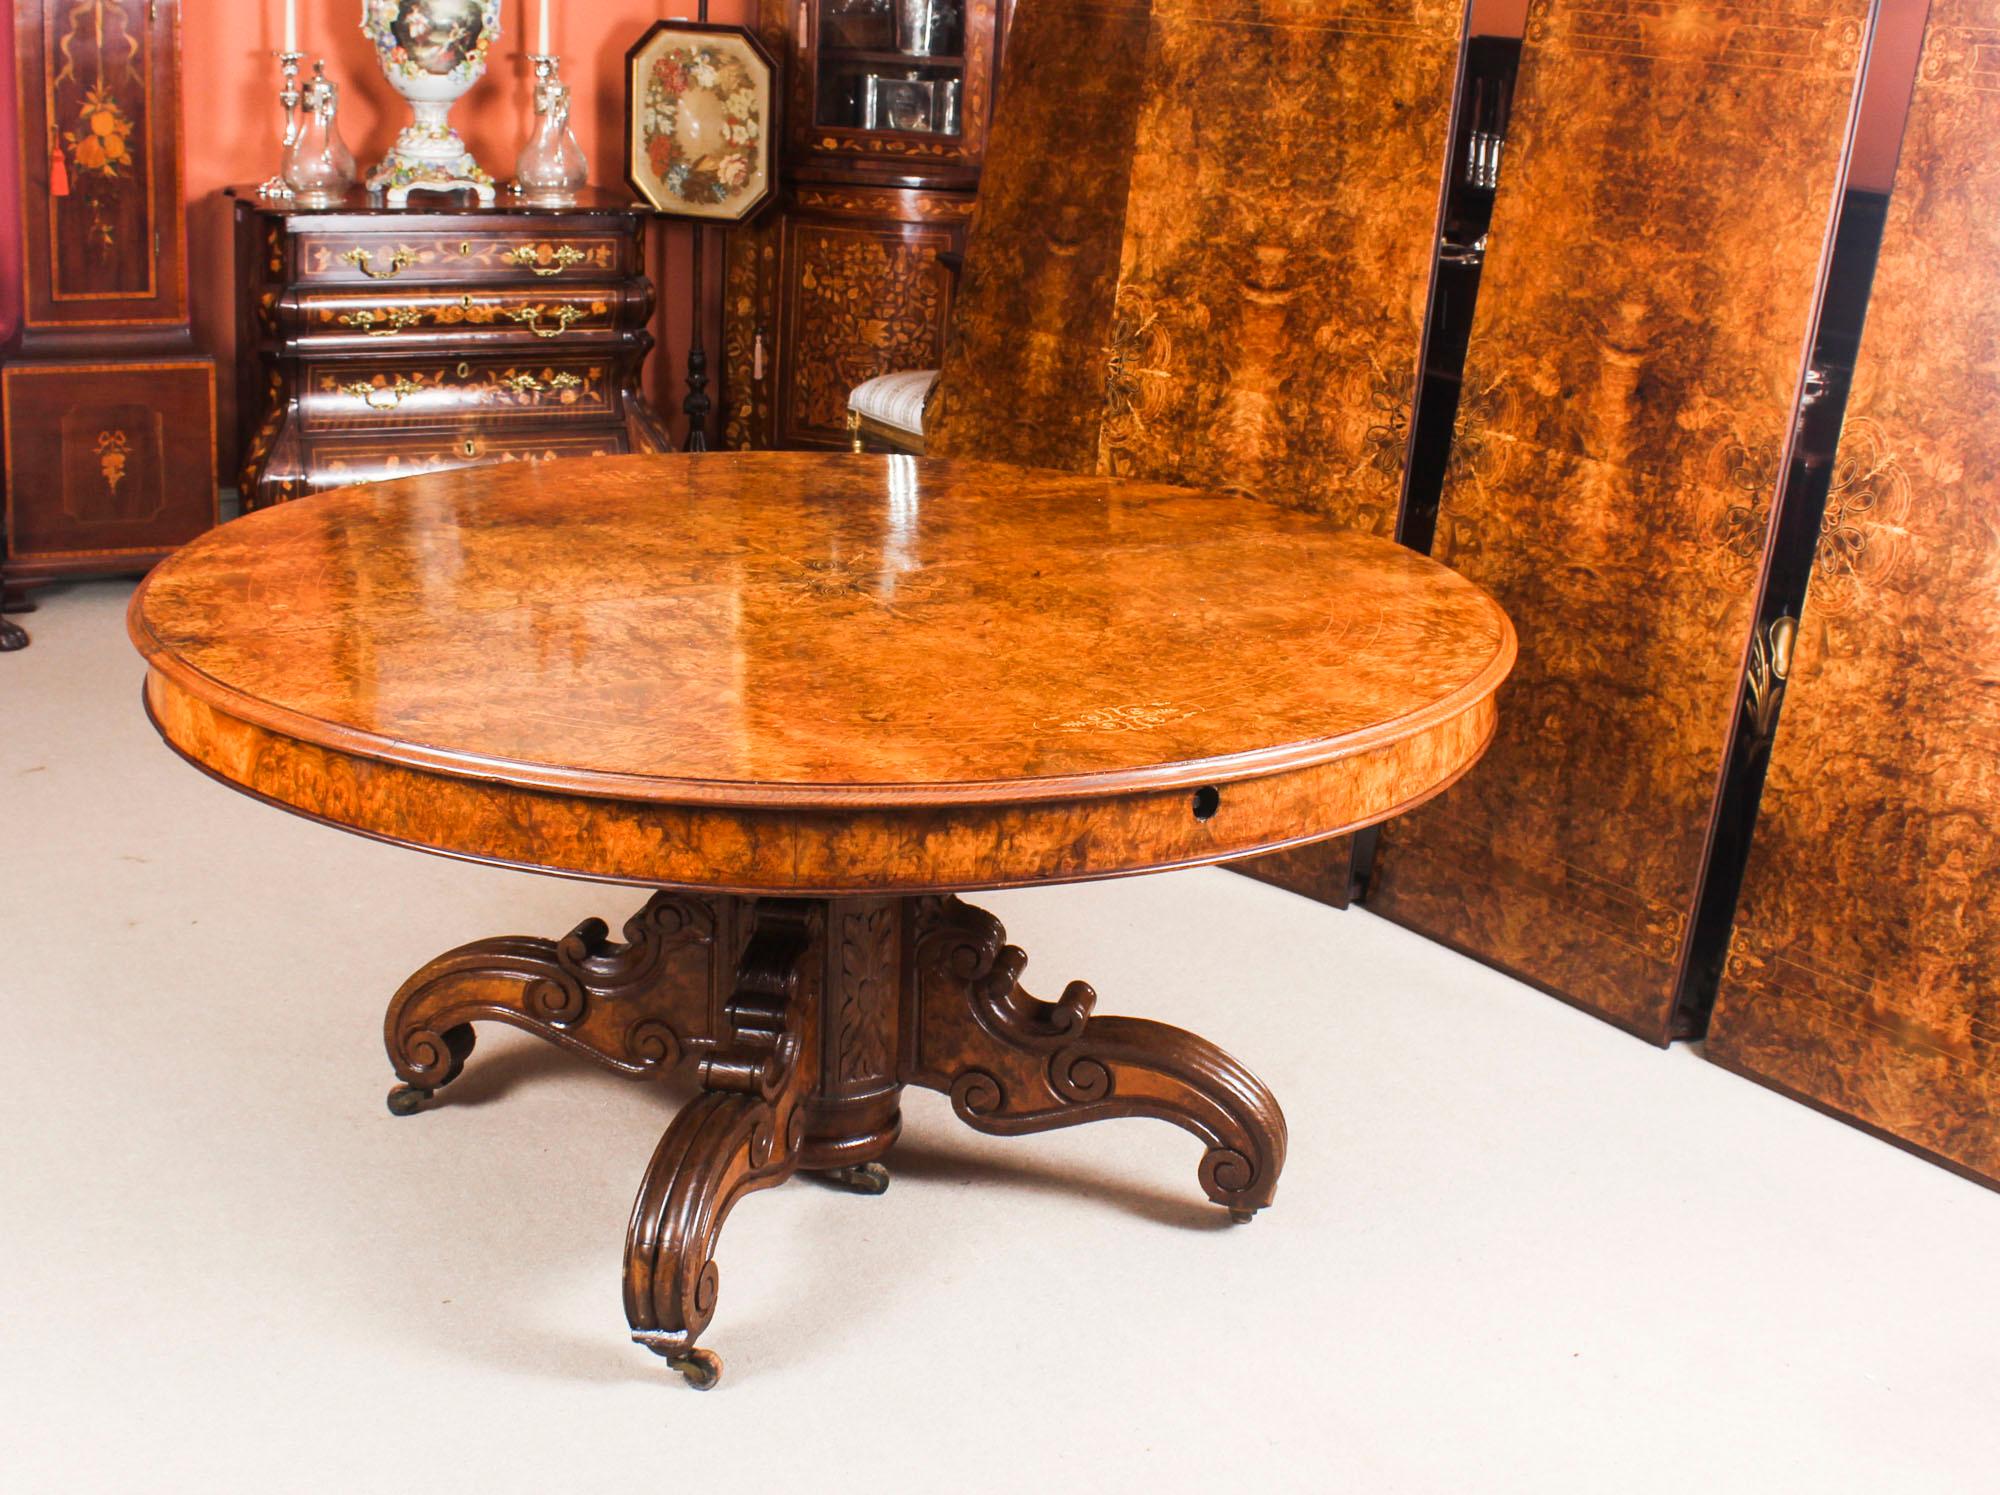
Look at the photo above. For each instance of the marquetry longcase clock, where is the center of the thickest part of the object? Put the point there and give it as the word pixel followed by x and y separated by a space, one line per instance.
pixel 109 411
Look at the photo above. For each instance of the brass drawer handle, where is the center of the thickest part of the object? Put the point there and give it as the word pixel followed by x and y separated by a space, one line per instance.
pixel 400 261
pixel 382 396
pixel 528 257
pixel 397 318
pixel 531 318
pixel 528 384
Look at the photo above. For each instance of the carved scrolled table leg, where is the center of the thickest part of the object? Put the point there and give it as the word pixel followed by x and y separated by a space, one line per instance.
pixel 1013 1064
pixel 642 1007
pixel 743 1133
pixel 804 1045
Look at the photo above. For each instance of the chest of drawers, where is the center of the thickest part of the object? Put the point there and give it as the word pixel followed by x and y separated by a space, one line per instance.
pixel 375 344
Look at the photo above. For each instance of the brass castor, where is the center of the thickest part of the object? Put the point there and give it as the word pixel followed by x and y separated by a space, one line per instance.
pixel 857 1178
pixel 700 1368
pixel 1242 1216
pixel 407 1100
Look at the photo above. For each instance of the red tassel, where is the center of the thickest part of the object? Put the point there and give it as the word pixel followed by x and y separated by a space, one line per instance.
pixel 58 173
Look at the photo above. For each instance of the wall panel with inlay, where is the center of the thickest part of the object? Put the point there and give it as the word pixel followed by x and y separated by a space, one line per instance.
pixel 1630 388
pixel 1864 971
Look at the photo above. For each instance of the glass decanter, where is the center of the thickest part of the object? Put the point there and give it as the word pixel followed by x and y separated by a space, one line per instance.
pixel 319 168
pixel 552 165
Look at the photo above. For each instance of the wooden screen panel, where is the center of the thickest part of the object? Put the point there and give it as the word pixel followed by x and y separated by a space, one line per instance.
pixel 1023 371
pixel 1864 971
pixel 1629 389
pixel 1204 246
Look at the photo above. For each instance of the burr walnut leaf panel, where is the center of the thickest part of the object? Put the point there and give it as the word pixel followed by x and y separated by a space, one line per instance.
pixel 1629 385
pixel 1228 287
pixel 1864 970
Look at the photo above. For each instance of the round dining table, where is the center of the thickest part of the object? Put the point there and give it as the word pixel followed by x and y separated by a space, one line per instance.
pixel 808 700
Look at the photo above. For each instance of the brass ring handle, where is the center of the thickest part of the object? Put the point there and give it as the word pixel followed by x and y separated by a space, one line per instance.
pixel 529 257
pixel 382 396
pixel 400 261
pixel 531 318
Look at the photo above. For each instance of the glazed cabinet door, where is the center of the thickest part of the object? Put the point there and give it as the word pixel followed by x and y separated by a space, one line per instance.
pixel 99 112
pixel 866 94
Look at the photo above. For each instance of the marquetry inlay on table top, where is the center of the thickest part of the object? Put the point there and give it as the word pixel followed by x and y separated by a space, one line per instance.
pixel 835 673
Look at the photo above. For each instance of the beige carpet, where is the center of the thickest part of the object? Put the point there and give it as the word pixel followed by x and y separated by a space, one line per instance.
pixel 1514 1250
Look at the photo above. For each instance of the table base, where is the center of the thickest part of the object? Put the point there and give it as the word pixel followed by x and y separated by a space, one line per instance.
pixel 804 1019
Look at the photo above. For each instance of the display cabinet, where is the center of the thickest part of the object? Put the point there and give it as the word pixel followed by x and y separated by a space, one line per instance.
pixel 850 275
pixel 109 410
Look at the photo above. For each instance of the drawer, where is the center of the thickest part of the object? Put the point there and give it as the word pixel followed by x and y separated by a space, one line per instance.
pixel 462 256
pixel 369 316
pixel 358 394
pixel 336 461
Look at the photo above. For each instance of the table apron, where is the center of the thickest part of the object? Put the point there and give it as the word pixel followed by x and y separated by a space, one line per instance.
pixel 848 849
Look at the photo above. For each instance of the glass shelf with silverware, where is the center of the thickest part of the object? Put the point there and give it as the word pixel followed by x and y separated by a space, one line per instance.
pixel 891 65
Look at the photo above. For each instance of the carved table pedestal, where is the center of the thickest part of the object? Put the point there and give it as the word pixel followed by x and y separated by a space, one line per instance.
pixel 812 698
pixel 805 1018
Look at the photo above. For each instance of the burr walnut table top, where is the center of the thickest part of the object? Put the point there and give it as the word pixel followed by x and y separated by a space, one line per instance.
pixel 818 673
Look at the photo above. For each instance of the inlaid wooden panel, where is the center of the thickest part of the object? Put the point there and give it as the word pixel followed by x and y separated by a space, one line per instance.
pixel 362 252
pixel 1864 971
pixel 862 300
pixel 103 224
pixel 414 393
pixel 1630 383
pixel 109 465
pixel 336 461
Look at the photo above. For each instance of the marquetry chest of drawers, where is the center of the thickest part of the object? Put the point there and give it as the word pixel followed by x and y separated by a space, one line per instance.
pixel 374 343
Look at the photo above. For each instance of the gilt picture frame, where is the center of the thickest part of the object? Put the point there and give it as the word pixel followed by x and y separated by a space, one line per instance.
pixel 701 121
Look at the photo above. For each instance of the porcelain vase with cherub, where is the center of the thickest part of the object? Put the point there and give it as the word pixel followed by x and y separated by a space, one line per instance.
pixel 432 51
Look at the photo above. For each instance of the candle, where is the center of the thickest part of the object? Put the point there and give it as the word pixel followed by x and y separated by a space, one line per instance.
pixel 292 25
pixel 545 30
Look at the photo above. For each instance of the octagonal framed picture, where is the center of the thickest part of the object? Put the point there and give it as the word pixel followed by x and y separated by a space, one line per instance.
pixel 701 121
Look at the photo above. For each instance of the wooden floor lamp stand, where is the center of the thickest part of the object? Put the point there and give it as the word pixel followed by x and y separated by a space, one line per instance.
pixel 805 1018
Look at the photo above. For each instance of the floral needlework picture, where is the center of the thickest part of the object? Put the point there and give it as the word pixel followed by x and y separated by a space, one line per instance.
pixel 701 105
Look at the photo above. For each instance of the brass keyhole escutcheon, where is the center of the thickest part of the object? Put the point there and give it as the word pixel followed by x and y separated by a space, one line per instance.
pixel 465 301
pixel 464 369
pixel 464 248
pixel 471 447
